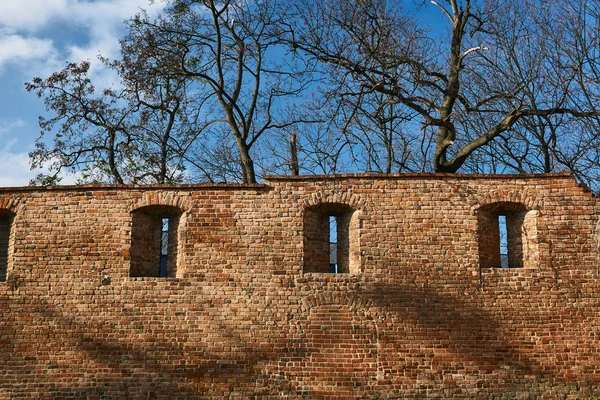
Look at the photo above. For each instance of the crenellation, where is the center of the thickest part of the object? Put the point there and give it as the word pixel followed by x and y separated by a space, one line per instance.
pixel 246 309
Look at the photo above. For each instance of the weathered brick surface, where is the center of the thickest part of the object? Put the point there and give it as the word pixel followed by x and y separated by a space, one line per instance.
pixel 417 316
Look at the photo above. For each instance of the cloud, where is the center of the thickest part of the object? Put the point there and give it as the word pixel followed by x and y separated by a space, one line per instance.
pixel 31 15
pixel 105 23
pixel 7 126
pixel 35 15
pixel 15 170
pixel 14 165
pixel 24 27
pixel 37 38
pixel 17 49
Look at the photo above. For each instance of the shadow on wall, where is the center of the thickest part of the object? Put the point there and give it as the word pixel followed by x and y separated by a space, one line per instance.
pixel 427 342
pixel 430 344
pixel 332 353
pixel 459 342
pixel 75 357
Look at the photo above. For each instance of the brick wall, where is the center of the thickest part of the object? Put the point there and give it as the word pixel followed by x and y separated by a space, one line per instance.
pixel 420 313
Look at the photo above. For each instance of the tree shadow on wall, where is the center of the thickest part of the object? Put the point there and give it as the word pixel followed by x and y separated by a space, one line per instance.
pixel 452 341
pixel 65 353
pixel 74 359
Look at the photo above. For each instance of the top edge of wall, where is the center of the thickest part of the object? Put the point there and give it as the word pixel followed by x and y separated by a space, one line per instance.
pixel 108 186
pixel 417 175
pixel 285 178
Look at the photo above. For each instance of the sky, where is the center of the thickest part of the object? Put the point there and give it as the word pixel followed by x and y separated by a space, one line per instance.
pixel 38 37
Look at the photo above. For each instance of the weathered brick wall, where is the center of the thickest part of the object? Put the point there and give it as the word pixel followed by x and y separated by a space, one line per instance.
pixel 416 317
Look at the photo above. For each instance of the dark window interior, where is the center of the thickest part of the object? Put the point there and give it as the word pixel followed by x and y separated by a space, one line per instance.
pixel 154 241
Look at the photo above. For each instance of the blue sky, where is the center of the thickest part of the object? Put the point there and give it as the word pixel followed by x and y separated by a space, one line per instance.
pixel 37 37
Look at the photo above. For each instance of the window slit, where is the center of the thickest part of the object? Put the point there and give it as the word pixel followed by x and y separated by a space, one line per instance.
pixel 507 235
pixel 154 236
pixel 164 248
pixel 503 236
pixel 333 241
pixel 5 226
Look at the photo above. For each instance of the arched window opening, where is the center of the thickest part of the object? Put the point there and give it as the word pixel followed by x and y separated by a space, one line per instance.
pixel 6 220
pixel 331 239
pixel 154 241
pixel 507 235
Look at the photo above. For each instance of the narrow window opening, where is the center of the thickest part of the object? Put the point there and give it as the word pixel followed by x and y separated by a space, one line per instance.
pixel 154 240
pixel 333 242
pixel 164 248
pixel 507 236
pixel 5 225
pixel 503 235
pixel 331 239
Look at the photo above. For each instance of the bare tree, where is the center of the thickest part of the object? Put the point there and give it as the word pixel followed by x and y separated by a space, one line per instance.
pixel 468 92
pixel 231 54
pixel 216 88
pixel 123 135
pixel 550 55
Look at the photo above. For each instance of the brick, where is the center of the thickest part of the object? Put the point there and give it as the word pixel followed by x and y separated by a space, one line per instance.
pixel 247 311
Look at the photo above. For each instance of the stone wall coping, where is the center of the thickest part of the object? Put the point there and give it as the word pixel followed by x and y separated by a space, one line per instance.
pixel 283 178
pixel 417 175
pixel 108 186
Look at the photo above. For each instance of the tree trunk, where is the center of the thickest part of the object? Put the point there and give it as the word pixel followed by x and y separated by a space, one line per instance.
pixel 246 161
pixel 112 164
pixel 294 166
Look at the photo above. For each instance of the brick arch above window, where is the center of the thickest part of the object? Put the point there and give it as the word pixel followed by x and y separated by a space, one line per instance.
pixel 155 198
pixel 347 198
pixel 12 204
pixel 351 300
pixel 523 197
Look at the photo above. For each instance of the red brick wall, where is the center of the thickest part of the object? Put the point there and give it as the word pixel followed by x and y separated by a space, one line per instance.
pixel 416 317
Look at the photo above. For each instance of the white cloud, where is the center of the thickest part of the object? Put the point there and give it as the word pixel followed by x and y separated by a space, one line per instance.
pixel 102 20
pixel 34 15
pixel 105 22
pixel 18 50
pixel 31 15
pixel 7 126
pixel 15 170
pixel 31 46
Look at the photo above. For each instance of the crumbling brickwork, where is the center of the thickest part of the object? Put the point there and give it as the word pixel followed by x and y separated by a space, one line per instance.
pixel 419 310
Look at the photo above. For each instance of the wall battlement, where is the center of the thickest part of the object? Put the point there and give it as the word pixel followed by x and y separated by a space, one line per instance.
pixel 442 286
